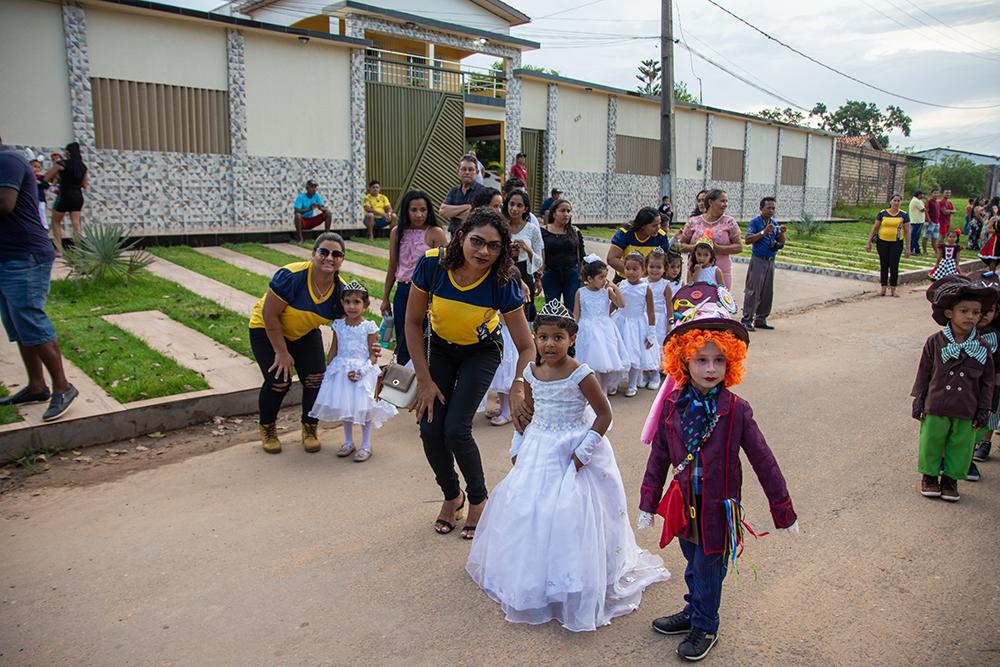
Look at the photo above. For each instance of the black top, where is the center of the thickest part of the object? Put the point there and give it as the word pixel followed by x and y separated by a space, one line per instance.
pixel 666 212
pixel 456 197
pixel 22 235
pixel 560 252
pixel 71 176
pixel 43 185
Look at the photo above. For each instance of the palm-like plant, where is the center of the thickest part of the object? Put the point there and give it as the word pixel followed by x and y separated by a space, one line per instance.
pixel 105 252
pixel 809 226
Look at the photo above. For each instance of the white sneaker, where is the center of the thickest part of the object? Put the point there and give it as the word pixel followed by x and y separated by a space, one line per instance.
pixel 654 384
pixel 612 390
pixel 630 392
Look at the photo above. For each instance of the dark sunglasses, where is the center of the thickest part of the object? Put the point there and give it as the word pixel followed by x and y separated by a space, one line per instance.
pixel 324 253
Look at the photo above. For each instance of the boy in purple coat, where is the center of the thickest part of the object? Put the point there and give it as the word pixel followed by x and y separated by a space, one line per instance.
pixel 702 427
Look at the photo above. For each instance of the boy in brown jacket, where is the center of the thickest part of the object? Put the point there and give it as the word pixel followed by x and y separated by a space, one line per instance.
pixel 953 391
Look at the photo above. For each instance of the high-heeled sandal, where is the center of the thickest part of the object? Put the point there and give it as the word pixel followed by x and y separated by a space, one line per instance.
pixel 448 525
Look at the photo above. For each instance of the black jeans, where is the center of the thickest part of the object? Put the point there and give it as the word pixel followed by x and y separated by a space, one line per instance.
pixel 310 364
pixel 529 280
pixel 463 374
pixel 561 284
pixel 889 253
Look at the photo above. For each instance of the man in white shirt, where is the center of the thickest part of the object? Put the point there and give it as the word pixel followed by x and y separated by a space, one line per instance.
pixel 917 211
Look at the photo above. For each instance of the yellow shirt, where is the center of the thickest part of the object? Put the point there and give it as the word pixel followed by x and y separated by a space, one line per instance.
pixel 377 203
pixel 305 310
pixel 891 226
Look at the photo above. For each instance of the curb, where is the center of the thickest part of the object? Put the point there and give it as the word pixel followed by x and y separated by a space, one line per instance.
pixel 907 277
pixel 133 422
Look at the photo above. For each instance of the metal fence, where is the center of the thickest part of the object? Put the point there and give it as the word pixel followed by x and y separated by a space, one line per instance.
pixel 403 69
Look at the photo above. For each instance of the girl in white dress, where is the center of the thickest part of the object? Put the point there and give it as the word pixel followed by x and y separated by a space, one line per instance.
pixel 675 267
pixel 637 323
pixel 599 344
pixel 554 542
pixel 348 389
pixel 663 310
pixel 702 268
pixel 502 380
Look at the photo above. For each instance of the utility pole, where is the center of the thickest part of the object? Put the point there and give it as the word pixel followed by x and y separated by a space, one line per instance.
pixel 667 165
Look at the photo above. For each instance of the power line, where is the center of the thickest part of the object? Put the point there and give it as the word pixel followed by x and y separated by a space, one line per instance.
pixel 739 77
pixel 923 23
pixel 844 74
pixel 953 29
pixel 569 9
pixel 680 27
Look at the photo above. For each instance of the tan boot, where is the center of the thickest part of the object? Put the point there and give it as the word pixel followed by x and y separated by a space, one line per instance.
pixel 310 441
pixel 269 438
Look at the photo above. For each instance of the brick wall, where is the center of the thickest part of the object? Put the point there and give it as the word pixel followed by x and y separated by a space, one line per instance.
pixel 865 175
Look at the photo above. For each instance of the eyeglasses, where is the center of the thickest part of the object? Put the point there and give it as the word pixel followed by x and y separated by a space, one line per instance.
pixel 479 243
pixel 324 253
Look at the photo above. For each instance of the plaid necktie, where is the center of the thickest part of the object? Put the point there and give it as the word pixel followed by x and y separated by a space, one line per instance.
pixel 971 346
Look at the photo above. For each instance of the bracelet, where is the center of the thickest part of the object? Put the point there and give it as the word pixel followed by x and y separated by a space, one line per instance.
pixel 518 379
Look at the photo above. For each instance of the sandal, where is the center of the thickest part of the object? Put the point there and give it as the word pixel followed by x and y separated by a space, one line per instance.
pixel 468 532
pixel 346 450
pixel 490 414
pixel 443 526
pixel 500 421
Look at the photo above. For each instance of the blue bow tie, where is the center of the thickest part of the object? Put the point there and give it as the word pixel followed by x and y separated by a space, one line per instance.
pixel 971 346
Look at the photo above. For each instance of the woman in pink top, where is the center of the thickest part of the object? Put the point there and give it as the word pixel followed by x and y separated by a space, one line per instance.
pixel 725 233
pixel 417 231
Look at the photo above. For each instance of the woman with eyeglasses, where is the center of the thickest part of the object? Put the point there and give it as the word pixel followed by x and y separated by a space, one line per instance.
pixel 468 288
pixel 285 334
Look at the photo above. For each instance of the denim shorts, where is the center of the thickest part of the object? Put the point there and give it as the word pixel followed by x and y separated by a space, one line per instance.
pixel 932 230
pixel 24 286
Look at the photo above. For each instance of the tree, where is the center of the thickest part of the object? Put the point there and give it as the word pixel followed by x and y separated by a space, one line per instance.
pixel 650 78
pixel 863 119
pixel 497 67
pixel 956 173
pixel 786 115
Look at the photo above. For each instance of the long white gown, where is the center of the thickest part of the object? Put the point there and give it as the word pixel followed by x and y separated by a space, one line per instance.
pixel 555 543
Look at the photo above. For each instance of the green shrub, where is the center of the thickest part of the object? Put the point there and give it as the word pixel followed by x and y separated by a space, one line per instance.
pixel 809 226
pixel 105 253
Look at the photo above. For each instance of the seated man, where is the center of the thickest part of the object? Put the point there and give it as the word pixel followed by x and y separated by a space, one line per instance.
pixel 378 210
pixel 311 210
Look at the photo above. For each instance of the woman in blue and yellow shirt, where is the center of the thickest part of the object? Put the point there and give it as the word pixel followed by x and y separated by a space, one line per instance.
pixel 468 287
pixel 284 332
pixel 891 233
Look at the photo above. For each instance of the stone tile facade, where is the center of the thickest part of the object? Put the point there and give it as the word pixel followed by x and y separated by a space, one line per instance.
pixel 551 138
pixel 512 113
pixel 237 68
pixel 78 64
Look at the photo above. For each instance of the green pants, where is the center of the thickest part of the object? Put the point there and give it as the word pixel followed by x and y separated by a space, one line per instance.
pixel 982 435
pixel 949 439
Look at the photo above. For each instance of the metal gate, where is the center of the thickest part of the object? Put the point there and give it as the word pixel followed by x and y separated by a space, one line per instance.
pixel 532 143
pixel 414 139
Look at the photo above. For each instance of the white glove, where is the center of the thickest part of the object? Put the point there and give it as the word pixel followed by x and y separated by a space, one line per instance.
pixel 644 520
pixel 515 444
pixel 794 528
pixel 651 334
pixel 585 450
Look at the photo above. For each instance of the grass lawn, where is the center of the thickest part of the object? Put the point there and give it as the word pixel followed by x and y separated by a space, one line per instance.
pixel 210 267
pixel 278 258
pixel 122 364
pixel 371 261
pixel 380 242
pixel 8 413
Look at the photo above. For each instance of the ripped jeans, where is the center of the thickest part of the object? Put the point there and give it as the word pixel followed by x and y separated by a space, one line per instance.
pixel 310 364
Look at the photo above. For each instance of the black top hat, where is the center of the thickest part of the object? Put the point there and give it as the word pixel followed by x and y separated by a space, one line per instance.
pixel 946 292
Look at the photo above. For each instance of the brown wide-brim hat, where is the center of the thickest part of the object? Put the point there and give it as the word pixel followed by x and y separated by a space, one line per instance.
pixel 946 292
pixel 706 306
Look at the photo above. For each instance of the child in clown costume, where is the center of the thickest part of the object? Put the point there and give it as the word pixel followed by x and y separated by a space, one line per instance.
pixel 700 429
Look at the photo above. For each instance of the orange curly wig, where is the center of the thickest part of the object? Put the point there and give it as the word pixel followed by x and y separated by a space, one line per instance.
pixel 681 348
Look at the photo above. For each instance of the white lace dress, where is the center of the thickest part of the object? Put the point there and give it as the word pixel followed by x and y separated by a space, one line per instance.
pixel 599 344
pixel 555 543
pixel 633 324
pixel 339 399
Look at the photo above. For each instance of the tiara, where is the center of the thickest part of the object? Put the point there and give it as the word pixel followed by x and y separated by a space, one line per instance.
pixel 355 286
pixel 555 308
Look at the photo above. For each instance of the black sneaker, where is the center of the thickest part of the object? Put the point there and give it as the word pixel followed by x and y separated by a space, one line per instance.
pixel 677 624
pixel 748 326
pixel 973 475
pixel 60 404
pixel 761 324
pixel 697 644
pixel 22 397
pixel 982 451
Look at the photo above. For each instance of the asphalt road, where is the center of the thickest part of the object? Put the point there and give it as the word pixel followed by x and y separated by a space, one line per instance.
pixel 239 558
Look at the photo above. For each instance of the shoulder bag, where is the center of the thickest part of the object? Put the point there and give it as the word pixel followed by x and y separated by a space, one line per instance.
pixel 397 384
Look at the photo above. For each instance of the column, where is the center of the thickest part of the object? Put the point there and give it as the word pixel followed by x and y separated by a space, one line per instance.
pixel 551 127
pixel 747 129
pixel 512 119
pixel 612 150
pixel 805 181
pixel 354 28
pixel 237 81
pixel 831 185
pixel 78 65
pixel 709 138
pixel 777 165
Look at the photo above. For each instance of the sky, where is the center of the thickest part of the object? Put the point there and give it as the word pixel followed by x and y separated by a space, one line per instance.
pixel 939 51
